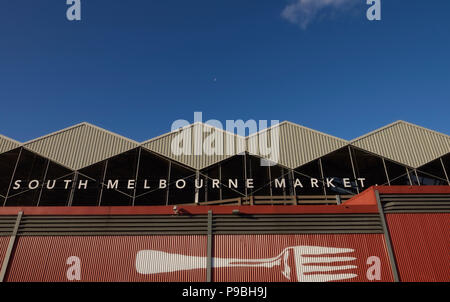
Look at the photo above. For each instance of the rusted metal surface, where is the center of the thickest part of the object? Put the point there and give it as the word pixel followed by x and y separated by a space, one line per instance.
pixel 421 244
pixel 4 240
pixel 110 258
pixel 296 256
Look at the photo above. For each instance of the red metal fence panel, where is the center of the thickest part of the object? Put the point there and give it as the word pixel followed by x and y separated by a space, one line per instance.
pixel 313 257
pixel 109 258
pixel 4 240
pixel 309 257
pixel 421 244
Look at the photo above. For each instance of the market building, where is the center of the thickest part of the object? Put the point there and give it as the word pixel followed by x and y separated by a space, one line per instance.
pixel 86 204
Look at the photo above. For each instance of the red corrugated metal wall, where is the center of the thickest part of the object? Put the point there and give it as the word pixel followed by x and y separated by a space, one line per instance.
pixel 106 258
pixel 183 258
pixel 421 244
pixel 4 240
pixel 270 246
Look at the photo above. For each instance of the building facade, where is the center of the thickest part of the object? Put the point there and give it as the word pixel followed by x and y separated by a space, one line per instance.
pixel 85 204
pixel 88 166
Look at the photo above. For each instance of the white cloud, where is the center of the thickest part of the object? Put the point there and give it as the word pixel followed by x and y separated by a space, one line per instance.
pixel 303 12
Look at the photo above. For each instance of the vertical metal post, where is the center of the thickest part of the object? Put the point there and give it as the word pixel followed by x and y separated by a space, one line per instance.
pixel 74 185
pixel 103 183
pixel 338 199
pixel 387 238
pixel 220 181
pixel 168 182
pixel 385 170
pixel 417 177
pixel 209 249
pixel 206 186
pixel 409 177
pixel 245 174
pixel 353 167
pixel 287 181
pixel 270 180
pixel 291 181
pixel 197 190
pixel 136 175
pixel 12 241
pixel 445 172
pixel 323 178
pixel 43 181
pixel 12 176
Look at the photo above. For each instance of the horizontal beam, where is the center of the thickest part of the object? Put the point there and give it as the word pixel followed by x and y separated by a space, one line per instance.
pixel 412 189
pixel 189 210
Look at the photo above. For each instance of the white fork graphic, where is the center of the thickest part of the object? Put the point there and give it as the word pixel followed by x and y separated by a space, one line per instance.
pixel 306 259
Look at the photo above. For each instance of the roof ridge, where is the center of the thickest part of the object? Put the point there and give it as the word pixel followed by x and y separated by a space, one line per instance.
pixel 86 124
pixel 190 126
pixel 373 132
pixel 110 132
pixel 425 128
pixel 317 131
pixel 266 129
pixel 9 139
pixel 300 126
pixel 220 129
pixel 54 133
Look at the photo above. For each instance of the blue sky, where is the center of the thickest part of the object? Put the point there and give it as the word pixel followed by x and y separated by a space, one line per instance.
pixel 133 67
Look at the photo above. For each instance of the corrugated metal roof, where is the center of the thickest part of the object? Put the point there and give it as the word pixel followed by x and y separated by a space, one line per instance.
pixel 80 145
pixel 7 144
pixel 297 144
pixel 201 145
pixel 85 144
pixel 405 143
